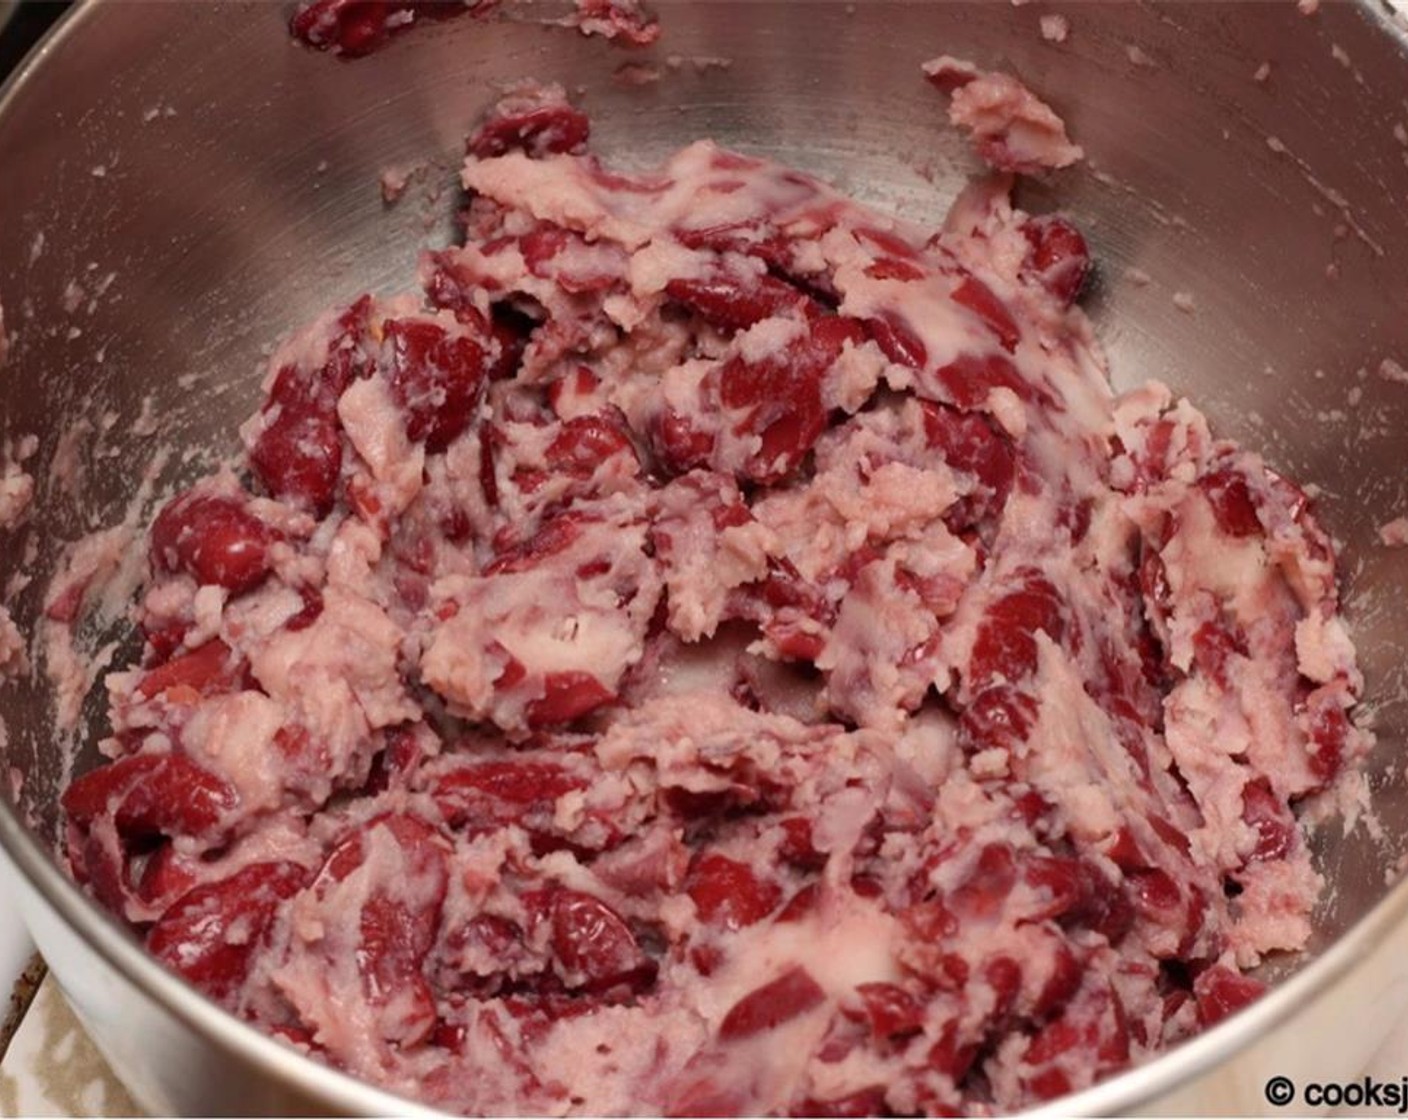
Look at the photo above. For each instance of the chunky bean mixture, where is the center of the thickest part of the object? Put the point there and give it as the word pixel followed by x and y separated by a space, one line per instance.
pixel 719 649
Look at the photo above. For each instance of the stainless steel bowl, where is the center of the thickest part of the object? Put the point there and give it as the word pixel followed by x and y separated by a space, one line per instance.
pixel 228 181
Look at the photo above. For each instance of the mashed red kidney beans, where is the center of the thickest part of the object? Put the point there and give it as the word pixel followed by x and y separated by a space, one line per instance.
pixel 353 28
pixel 723 650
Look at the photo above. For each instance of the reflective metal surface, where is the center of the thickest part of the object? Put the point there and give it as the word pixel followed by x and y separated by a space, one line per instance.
pixel 228 182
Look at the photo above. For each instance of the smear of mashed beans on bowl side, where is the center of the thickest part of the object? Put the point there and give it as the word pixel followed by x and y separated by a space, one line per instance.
pixel 720 649
pixel 353 28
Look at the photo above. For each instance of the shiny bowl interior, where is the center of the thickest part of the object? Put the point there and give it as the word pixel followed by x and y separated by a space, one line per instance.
pixel 205 185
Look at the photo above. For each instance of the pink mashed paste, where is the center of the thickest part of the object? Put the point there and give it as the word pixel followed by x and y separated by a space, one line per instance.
pixel 719 649
pixel 352 28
